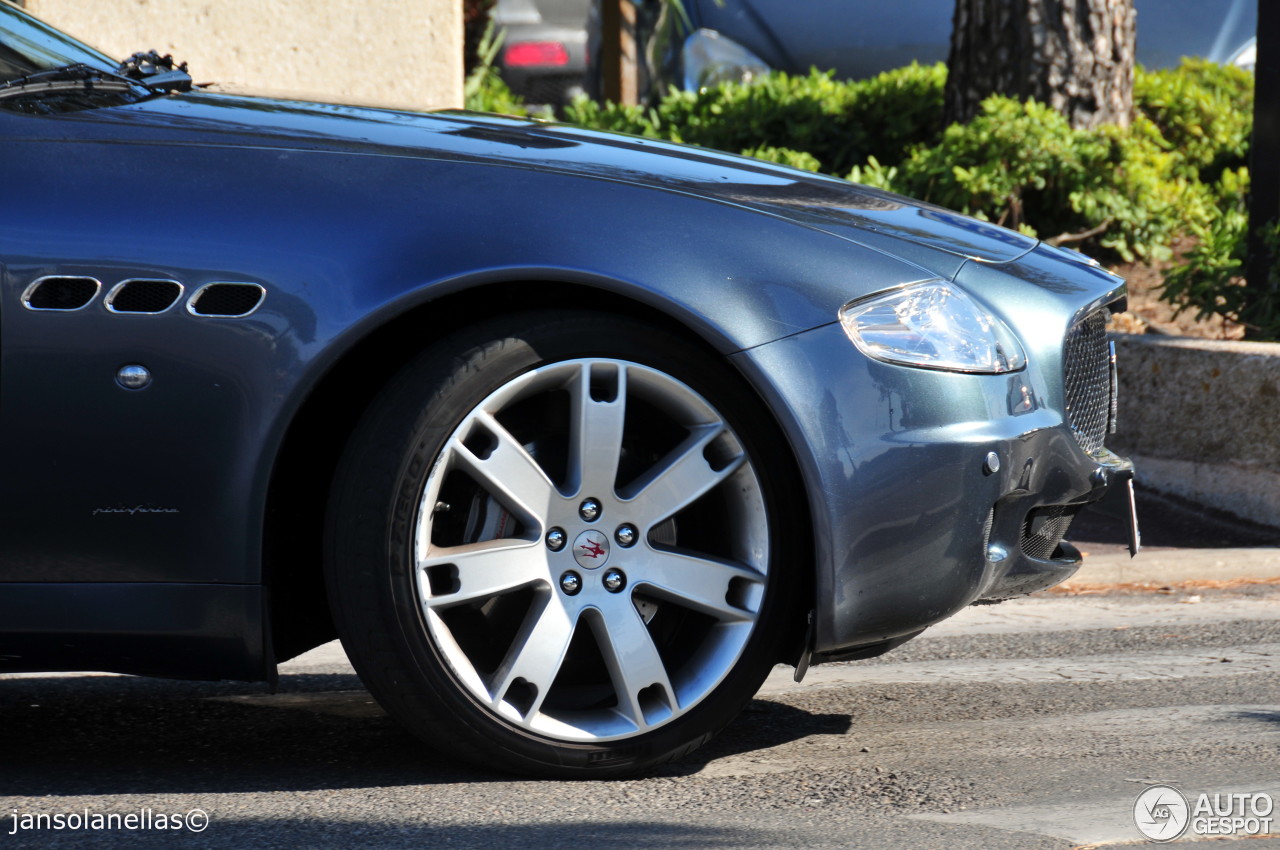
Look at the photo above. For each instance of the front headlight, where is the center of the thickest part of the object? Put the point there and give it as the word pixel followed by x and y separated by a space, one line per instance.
pixel 934 325
pixel 710 59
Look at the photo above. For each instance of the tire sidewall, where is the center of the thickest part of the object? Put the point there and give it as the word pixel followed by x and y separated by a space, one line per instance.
pixel 456 376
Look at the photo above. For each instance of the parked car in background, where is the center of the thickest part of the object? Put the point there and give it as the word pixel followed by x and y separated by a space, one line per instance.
pixel 543 57
pixel 740 40
pixel 569 437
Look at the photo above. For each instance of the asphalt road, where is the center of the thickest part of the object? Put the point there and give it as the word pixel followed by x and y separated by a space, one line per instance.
pixel 1032 724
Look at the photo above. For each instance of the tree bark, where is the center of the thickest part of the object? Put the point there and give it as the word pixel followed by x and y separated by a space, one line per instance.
pixel 618 52
pixel 1264 171
pixel 1074 55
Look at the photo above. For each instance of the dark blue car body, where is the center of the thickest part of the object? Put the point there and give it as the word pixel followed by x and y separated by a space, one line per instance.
pixel 178 529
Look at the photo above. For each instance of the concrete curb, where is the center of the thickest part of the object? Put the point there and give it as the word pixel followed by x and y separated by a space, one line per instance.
pixel 1167 566
pixel 1197 417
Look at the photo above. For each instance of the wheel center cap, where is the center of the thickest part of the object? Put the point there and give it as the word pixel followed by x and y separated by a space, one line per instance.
pixel 591 549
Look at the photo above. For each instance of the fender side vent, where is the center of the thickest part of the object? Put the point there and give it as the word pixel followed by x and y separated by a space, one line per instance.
pixel 143 296
pixel 60 293
pixel 228 300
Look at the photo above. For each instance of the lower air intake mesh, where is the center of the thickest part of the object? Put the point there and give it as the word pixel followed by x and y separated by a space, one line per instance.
pixel 1045 528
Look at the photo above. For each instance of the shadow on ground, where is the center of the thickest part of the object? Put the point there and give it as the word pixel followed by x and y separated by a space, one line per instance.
pixel 1168 520
pixel 324 833
pixel 124 735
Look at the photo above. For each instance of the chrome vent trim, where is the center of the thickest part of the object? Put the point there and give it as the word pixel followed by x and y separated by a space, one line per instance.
pixel 59 293
pixel 143 296
pixel 226 300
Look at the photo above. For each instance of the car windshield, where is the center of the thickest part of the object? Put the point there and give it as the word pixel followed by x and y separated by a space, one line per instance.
pixel 28 45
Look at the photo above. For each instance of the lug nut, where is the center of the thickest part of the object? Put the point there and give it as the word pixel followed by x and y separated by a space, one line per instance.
pixel 556 539
pixel 626 535
pixel 614 580
pixel 589 510
pixel 571 583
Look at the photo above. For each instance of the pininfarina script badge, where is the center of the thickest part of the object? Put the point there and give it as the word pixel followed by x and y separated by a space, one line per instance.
pixel 135 510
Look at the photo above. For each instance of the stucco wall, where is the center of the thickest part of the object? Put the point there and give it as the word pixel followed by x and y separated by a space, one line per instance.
pixel 1201 419
pixel 396 52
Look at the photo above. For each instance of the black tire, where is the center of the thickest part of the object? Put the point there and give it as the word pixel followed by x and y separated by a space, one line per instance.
pixel 435 474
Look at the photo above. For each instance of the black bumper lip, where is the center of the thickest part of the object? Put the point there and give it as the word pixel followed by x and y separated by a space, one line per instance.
pixel 1011 571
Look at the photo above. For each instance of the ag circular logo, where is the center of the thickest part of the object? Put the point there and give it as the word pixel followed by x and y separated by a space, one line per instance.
pixel 591 549
pixel 1161 813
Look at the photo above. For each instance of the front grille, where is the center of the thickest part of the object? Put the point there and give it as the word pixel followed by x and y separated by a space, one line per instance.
pixel 1087 380
pixel 1044 529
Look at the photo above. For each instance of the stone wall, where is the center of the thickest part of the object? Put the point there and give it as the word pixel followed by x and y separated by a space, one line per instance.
pixel 1201 419
pixel 405 53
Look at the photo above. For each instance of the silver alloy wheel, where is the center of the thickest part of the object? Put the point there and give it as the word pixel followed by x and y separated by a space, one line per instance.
pixel 592 665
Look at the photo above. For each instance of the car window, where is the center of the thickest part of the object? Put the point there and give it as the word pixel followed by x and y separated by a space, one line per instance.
pixel 28 44
pixel 860 38
pixel 1214 29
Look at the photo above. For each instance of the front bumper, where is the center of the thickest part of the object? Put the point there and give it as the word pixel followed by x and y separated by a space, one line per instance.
pixel 913 521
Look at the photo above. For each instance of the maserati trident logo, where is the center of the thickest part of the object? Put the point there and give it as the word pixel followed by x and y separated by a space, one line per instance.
pixel 591 549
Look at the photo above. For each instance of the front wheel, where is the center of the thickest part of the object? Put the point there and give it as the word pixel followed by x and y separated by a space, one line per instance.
pixel 556 545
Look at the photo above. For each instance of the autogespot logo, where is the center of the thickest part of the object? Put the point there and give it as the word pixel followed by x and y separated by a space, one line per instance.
pixel 1161 813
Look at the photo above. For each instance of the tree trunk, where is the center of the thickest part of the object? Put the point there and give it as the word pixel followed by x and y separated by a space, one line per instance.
pixel 1074 55
pixel 1262 307
pixel 618 52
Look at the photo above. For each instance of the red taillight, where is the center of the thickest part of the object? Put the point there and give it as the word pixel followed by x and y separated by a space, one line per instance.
pixel 526 53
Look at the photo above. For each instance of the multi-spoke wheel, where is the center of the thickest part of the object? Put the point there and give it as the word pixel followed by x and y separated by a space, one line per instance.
pixel 559 545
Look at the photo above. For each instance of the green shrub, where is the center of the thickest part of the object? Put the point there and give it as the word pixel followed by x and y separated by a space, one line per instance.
pixel 1126 193
pixel 838 124
pixel 785 156
pixel 1021 165
pixel 1210 278
pixel 1203 110
pixel 483 90
pixel 486 92
pixel 612 118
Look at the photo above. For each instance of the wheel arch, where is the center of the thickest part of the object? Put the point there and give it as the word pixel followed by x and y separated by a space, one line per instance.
pixel 297 610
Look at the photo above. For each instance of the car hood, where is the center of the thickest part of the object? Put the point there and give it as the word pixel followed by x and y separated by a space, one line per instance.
pixel 936 239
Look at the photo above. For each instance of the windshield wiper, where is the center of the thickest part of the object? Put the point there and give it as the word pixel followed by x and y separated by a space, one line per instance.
pixel 77 77
pixel 151 71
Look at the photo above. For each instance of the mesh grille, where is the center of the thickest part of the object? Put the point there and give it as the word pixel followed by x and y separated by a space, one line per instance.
pixel 62 293
pixel 1045 528
pixel 1087 379
pixel 227 299
pixel 144 296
